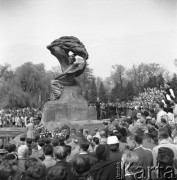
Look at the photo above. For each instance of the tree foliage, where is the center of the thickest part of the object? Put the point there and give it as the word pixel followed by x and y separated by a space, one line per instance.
pixel 102 93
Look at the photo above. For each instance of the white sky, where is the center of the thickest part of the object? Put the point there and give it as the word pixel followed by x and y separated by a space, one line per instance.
pixel 114 31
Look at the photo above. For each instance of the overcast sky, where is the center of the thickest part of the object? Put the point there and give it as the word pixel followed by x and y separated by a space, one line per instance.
pixel 114 31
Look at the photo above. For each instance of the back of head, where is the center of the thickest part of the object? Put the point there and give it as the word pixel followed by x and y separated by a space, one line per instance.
pixel 103 133
pixel 30 162
pixel 163 134
pixel 60 152
pixel 37 171
pixel 96 140
pixel 23 137
pixel 48 150
pixel 57 173
pixel 23 151
pixel 165 156
pixel 11 148
pixel 84 144
pixel 103 152
pixel 81 164
pixel 41 142
pixel 7 170
pixel 55 142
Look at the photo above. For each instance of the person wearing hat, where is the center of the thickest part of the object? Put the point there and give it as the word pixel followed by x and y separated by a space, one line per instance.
pixel 113 143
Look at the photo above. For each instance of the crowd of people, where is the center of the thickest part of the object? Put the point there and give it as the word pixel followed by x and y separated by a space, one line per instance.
pixel 137 145
pixel 17 117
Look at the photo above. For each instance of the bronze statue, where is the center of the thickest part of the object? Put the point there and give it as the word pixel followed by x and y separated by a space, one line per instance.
pixel 70 66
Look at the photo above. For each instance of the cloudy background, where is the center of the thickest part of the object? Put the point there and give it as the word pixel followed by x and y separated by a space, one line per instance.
pixel 123 32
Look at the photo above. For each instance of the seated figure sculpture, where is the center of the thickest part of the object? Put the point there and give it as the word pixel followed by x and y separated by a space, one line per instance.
pixel 70 66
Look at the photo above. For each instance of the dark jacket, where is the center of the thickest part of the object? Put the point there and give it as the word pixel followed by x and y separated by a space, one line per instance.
pixel 67 166
pixel 115 155
pixel 104 170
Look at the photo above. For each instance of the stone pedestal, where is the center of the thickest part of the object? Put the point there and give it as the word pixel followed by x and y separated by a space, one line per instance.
pixel 70 107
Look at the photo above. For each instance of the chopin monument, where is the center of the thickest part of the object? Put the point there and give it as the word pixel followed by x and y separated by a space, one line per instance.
pixel 67 103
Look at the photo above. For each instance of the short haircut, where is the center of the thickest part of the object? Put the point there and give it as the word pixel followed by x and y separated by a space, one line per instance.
pixel 81 164
pixel 30 162
pixel 85 131
pixel 57 173
pixel 48 150
pixel 29 141
pixel 103 152
pixel 41 142
pixel 22 138
pixel 165 158
pixel 96 140
pixel 163 134
pixel 37 171
pixel 84 144
pixel 136 137
pixel 60 152
pixel 11 148
pixel 6 170
pixel 47 141
pixel 55 142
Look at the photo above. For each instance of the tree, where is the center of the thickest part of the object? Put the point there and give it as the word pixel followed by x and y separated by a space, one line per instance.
pixel 93 92
pixel 129 91
pixel 118 74
pixel 85 79
pixel 33 80
pixel 102 93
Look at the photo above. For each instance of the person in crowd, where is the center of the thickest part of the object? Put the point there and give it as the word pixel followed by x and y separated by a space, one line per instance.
pixel 129 158
pixel 11 148
pixel 165 126
pixel 22 157
pixel 166 162
pixel 115 154
pixel 74 151
pixel 30 129
pixel 98 109
pixel 22 140
pixel 49 161
pixel 105 168
pixel 8 170
pixel 57 173
pixel 85 133
pixel 36 171
pixel 68 149
pixel 134 141
pixel 83 151
pixel 81 168
pixel 96 143
pixel 163 138
pixel 60 154
pixel 161 113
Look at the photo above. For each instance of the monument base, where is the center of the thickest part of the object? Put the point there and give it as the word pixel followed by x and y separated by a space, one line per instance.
pixel 70 107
